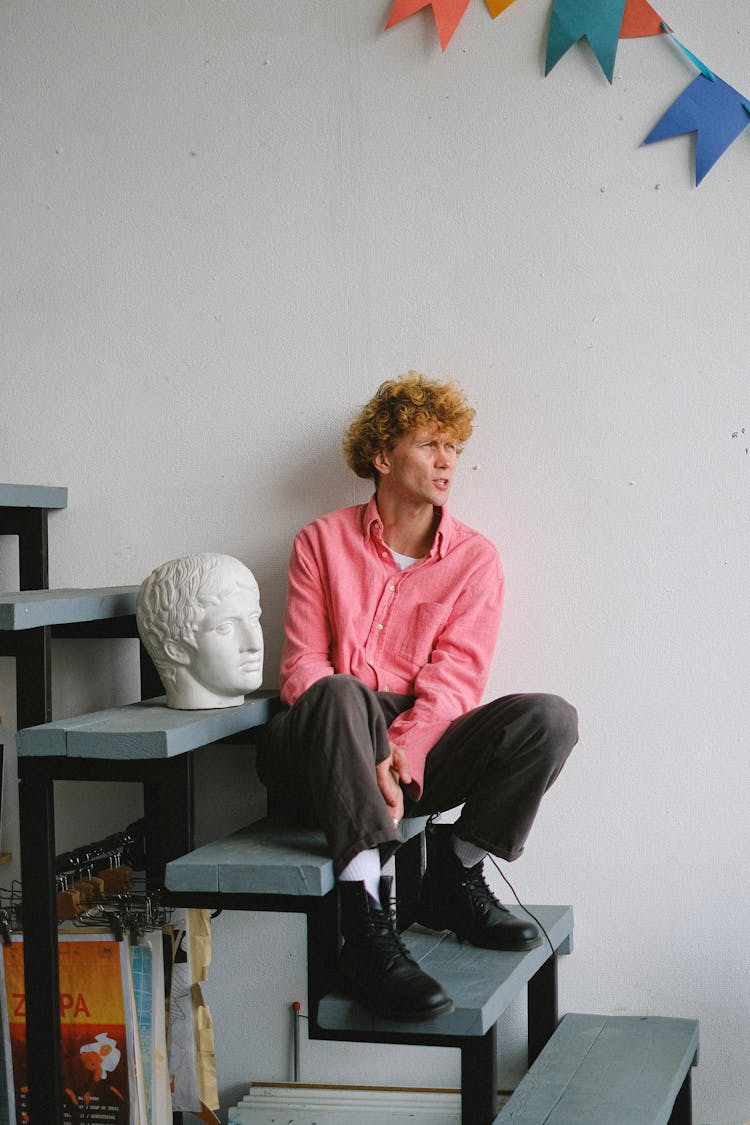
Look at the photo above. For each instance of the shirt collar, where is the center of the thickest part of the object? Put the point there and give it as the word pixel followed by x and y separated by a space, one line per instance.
pixel 372 527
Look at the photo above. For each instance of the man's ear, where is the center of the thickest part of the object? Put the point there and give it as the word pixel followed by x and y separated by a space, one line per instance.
pixel 382 462
pixel 177 652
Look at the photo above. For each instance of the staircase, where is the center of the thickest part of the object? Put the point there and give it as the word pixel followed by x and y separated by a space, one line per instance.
pixel 585 1069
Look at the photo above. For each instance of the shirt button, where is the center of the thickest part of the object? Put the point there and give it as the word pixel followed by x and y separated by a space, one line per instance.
pixel 392 588
pixel 385 554
pixel 379 626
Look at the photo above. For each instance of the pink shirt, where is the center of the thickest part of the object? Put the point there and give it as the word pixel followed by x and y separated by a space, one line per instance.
pixel 428 631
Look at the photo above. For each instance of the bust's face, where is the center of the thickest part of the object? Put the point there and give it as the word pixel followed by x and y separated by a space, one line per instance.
pixel 228 657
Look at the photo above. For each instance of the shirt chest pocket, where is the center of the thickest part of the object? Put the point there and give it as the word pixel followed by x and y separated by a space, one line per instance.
pixel 423 627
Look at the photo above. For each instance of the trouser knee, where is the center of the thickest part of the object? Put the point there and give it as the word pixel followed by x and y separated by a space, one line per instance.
pixel 556 722
pixel 340 721
pixel 339 690
pixel 538 724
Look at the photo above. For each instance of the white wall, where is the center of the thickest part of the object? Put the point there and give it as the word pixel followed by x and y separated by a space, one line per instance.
pixel 223 223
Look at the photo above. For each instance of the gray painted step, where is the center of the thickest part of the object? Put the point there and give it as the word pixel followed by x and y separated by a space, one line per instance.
pixel 144 730
pixel 268 857
pixel 606 1070
pixel 481 982
pixel 30 609
pixel 32 496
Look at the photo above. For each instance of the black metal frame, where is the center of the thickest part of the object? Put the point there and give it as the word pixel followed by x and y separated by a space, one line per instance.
pixel 168 792
pixel 479 1053
pixel 682 1110
pixel 541 992
pixel 168 813
pixel 33 689
pixel 168 804
pixel 30 525
pixel 32 651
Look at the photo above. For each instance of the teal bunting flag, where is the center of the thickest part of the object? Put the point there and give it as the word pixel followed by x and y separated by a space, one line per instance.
pixel 711 109
pixel 599 21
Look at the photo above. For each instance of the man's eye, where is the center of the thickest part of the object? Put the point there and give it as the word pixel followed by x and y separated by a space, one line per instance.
pixel 225 627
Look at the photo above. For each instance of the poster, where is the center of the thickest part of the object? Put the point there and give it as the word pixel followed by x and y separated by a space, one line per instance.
pixel 98 1041
pixel 148 984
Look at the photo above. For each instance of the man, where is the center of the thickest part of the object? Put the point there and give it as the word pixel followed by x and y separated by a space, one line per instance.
pixel 199 619
pixel 392 615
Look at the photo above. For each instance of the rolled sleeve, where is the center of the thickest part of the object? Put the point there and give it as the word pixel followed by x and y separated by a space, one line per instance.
pixel 306 652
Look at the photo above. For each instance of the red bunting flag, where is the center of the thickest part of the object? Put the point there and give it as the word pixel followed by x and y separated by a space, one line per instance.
pixel 448 15
pixel 639 19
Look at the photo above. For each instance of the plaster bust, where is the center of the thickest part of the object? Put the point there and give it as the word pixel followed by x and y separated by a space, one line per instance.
pixel 199 619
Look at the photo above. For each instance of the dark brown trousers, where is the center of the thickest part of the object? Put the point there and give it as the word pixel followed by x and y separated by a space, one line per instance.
pixel 318 757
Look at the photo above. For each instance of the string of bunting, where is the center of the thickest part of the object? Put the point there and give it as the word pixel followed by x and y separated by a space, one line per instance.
pixel 709 107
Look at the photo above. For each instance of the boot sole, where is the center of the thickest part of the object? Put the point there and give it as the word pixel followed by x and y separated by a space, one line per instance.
pixel 508 947
pixel 404 1017
pixel 400 1016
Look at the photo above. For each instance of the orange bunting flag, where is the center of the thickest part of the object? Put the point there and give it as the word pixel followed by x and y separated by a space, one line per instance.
pixel 639 19
pixel 448 15
pixel 495 7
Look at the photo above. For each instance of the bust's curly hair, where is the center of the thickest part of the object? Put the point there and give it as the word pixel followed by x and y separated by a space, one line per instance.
pixel 399 406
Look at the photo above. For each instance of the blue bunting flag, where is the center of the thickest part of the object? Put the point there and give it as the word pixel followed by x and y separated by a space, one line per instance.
pixel 712 110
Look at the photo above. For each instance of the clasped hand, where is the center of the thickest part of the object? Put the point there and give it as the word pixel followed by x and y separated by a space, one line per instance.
pixel 391 772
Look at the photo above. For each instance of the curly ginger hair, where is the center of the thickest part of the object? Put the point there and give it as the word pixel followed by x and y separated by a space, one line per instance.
pixel 400 406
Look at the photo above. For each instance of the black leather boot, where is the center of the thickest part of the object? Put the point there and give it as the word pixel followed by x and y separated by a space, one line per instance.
pixel 375 966
pixel 454 897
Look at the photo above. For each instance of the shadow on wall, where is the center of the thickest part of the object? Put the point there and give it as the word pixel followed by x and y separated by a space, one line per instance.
pixel 318 481
pixel 314 482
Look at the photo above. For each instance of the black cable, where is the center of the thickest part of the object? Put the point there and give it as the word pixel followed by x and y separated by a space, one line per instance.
pixel 526 910
pixel 504 877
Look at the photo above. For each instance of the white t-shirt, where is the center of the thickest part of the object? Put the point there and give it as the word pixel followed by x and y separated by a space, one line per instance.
pixel 402 561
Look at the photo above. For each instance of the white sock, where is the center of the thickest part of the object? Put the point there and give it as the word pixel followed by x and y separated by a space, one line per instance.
pixel 364 868
pixel 469 854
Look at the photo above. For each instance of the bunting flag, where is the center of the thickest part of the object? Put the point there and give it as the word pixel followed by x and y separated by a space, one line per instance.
pixel 599 21
pixel 495 7
pixel 712 110
pixel 640 20
pixel 448 15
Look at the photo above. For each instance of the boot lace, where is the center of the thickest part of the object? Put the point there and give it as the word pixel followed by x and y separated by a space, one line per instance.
pixel 386 941
pixel 481 896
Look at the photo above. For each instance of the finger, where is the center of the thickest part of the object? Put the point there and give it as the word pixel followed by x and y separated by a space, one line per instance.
pixel 401 763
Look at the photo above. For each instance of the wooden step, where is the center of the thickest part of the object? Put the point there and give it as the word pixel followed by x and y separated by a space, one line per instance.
pixel 142 731
pixel 609 1070
pixel 32 496
pixel 30 609
pixel 481 982
pixel 270 857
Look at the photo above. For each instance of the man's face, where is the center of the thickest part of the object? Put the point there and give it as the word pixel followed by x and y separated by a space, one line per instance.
pixel 228 654
pixel 420 466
